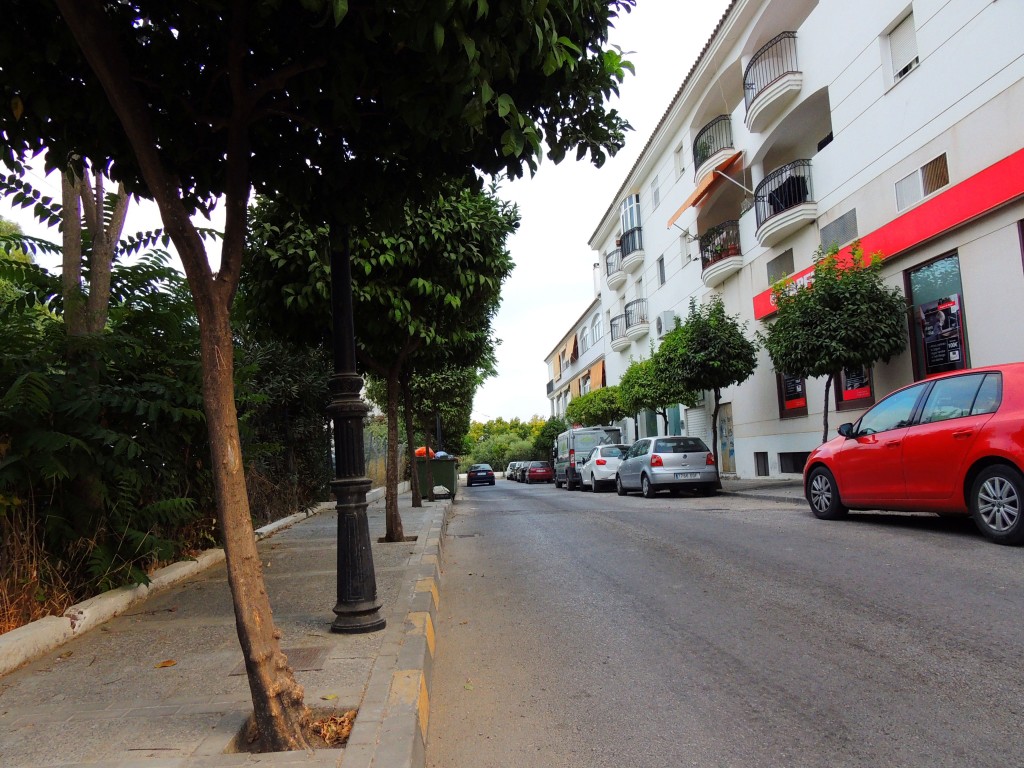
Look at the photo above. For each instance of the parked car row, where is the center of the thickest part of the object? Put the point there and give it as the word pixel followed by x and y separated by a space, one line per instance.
pixel 530 472
pixel 650 465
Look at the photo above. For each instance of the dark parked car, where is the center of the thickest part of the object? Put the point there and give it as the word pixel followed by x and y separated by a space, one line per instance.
pixel 480 474
pixel 539 472
pixel 667 464
pixel 952 444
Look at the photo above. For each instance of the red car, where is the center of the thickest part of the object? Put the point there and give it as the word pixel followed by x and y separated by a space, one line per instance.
pixel 952 444
pixel 539 472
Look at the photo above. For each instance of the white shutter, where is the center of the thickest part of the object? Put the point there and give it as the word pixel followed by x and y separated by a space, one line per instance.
pixel 903 47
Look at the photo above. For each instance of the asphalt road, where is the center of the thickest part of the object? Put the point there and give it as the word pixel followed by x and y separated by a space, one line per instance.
pixel 592 630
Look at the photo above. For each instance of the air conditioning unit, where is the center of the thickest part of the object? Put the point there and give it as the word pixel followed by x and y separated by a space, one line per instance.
pixel 664 322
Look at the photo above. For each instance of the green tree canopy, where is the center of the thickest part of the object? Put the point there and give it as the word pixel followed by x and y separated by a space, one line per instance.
pixel 642 387
pixel 188 103
pixel 845 318
pixel 599 406
pixel 708 350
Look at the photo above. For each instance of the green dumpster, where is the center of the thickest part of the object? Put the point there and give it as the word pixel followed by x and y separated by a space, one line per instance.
pixel 445 473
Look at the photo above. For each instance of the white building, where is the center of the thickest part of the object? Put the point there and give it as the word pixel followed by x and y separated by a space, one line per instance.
pixel 804 124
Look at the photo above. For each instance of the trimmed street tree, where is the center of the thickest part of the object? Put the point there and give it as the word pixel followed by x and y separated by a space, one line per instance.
pixel 188 103
pixel 545 439
pixel 643 388
pixel 845 318
pixel 707 351
pixel 600 406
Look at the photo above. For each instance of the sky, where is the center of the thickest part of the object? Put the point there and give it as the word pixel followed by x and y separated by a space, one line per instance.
pixel 561 206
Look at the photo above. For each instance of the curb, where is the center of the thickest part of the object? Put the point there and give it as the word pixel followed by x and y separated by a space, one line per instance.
pixel 391 729
pixel 796 500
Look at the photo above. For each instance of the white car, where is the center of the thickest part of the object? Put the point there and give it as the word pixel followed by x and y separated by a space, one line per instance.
pixel 600 467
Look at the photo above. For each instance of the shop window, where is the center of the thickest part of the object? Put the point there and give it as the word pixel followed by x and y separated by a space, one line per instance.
pixel 792 396
pixel 854 388
pixel 938 329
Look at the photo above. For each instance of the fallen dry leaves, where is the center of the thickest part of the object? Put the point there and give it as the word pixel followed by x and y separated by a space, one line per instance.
pixel 334 729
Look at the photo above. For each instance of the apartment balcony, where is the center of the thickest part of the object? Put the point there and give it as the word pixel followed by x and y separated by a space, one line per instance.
pixel 619 339
pixel 771 81
pixel 631 245
pixel 615 276
pixel 637 325
pixel 712 146
pixel 720 254
pixel 784 202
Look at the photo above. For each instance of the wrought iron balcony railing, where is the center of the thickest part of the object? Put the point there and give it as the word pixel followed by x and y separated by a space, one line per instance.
pixel 720 242
pixel 631 241
pixel 618 327
pixel 775 58
pixel 782 189
pixel 613 262
pixel 714 136
pixel 636 312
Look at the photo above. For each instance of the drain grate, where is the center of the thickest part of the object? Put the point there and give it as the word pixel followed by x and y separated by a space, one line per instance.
pixel 299 659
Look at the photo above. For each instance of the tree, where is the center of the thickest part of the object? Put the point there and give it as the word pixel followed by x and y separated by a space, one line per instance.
pixel 424 288
pixel 600 406
pixel 314 103
pixel 709 350
pixel 643 388
pixel 845 318
pixel 545 439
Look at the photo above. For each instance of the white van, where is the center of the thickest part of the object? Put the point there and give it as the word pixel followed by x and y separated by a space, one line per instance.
pixel 571 450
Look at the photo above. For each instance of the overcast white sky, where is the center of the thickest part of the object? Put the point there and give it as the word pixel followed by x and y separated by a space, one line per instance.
pixel 560 207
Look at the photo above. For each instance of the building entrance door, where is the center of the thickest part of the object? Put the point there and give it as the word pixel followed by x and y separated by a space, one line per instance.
pixel 726 441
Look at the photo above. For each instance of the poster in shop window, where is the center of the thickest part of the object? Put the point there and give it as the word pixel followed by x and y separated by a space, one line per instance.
pixel 942 330
pixel 793 394
pixel 855 383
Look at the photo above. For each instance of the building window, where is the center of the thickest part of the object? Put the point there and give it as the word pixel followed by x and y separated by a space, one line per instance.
pixel 630 213
pixel 596 330
pixel 927 179
pixel 584 341
pixel 938 333
pixel 780 267
pixel 655 193
pixel 792 396
pixel 793 462
pixel 903 48
pixel 854 388
pixel 680 161
pixel 585 384
pixel 761 463
pixel 661 270
pixel 684 249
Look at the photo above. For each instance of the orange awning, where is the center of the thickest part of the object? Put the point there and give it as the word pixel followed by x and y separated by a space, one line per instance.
pixel 704 187
pixel 574 387
pixel 570 349
pixel 597 375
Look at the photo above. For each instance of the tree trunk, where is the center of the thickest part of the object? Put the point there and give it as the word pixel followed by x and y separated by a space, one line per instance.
pixel 410 439
pixel 71 271
pixel 392 517
pixel 277 698
pixel 824 411
pixel 714 432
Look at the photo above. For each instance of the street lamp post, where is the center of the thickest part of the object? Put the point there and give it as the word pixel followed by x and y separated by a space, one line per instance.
pixel 357 609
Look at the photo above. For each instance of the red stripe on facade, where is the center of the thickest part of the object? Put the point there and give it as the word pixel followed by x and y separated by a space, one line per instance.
pixel 986 190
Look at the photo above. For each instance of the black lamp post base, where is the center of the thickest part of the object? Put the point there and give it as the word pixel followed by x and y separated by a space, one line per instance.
pixel 351 623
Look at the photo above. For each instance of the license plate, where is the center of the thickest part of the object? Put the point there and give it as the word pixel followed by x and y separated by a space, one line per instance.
pixel 687 475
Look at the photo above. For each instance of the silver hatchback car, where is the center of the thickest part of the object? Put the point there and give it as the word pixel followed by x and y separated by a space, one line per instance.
pixel 667 464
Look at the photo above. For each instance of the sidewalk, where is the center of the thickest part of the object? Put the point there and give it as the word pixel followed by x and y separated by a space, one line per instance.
pixel 105 699
pixel 765 489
